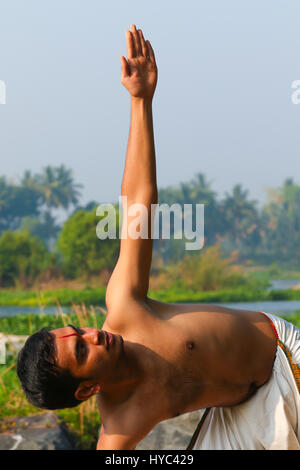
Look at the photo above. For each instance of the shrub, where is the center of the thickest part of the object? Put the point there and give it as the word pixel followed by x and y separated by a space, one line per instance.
pixel 22 258
pixel 207 271
pixel 82 252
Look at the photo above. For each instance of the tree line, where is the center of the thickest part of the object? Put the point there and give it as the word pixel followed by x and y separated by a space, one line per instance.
pixel 34 244
pixel 266 234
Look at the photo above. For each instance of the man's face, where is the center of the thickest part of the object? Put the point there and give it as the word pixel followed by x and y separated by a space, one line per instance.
pixel 88 353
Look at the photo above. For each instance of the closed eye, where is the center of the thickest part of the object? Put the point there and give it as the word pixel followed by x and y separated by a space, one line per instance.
pixel 81 348
pixel 81 351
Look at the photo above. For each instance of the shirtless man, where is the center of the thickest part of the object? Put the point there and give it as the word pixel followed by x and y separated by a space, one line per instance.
pixel 152 360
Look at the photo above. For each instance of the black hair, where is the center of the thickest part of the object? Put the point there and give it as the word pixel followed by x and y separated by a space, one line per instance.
pixel 45 384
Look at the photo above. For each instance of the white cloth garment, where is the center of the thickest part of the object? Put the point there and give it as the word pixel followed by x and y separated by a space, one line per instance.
pixel 270 420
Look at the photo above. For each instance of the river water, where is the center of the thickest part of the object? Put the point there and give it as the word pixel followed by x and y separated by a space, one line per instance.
pixel 281 307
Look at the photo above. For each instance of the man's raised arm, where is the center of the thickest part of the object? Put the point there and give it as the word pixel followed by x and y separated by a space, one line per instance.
pixel 139 77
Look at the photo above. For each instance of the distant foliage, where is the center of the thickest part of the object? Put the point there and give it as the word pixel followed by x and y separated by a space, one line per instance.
pixel 207 270
pixel 22 258
pixel 16 202
pixel 27 204
pixel 83 253
pixel 234 223
pixel 263 235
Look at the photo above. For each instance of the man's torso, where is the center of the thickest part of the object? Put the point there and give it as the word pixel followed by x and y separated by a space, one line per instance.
pixel 207 356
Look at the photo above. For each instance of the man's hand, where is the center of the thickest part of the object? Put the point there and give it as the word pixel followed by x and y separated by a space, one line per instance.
pixel 139 71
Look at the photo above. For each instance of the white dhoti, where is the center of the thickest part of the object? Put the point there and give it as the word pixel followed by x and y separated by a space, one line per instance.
pixel 271 418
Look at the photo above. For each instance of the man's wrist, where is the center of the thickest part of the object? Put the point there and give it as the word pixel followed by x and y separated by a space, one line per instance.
pixel 137 100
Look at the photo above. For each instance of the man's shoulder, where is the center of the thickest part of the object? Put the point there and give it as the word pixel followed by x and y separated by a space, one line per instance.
pixel 126 312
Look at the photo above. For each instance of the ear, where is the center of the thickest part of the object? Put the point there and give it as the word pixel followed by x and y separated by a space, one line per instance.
pixel 86 390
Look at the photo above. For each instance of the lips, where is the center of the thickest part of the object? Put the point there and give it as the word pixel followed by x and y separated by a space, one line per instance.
pixel 108 339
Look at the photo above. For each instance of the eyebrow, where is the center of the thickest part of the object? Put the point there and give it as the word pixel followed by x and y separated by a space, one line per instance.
pixel 77 333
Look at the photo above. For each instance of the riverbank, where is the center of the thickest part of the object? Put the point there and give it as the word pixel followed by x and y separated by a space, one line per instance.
pixel 96 296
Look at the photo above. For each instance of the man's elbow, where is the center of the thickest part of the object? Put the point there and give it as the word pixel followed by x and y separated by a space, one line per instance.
pixel 114 444
pixel 115 441
pixel 145 195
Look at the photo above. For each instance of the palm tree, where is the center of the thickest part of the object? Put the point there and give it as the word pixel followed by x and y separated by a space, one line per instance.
pixel 54 188
pixel 200 190
pixel 28 180
pixel 241 215
pixel 282 222
pixel 58 187
pixel 55 185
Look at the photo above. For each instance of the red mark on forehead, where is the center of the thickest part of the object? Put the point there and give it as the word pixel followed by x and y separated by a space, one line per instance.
pixel 71 334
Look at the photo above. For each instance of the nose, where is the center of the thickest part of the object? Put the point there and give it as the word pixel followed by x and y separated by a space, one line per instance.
pixel 93 336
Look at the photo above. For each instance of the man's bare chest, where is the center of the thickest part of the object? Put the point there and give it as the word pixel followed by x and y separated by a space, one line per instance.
pixel 202 357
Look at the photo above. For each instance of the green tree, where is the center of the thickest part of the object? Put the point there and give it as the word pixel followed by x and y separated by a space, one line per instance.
pixel 207 270
pixel 196 191
pixel 55 185
pixel 281 227
pixel 22 258
pixel 83 253
pixel 55 188
pixel 44 227
pixel 16 202
pixel 242 219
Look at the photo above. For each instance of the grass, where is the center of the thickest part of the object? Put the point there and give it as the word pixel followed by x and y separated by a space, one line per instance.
pixel 41 298
pixel 26 324
pixel 267 273
pixel 241 294
pixel 96 296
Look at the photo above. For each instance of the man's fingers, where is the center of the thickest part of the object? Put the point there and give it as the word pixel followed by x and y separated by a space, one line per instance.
pixel 143 43
pixel 137 46
pixel 137 42
pixel 150 52
pixel 125 72
pixel 130 48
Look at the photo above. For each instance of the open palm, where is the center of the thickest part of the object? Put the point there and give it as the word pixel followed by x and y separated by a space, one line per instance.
pixel 139 70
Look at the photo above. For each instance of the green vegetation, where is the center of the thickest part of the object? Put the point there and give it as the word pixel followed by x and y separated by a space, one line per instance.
pixel 82 252
pixel 268 237
pixel 208 270
pixel 262 236
pixel 28 203
pixel 266 273
pixel 228 295
pixel 96 296
pixel 66 297
pixel 22 258
pixel 27 324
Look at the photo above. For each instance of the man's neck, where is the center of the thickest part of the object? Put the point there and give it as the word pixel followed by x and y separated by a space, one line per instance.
pixel 136 366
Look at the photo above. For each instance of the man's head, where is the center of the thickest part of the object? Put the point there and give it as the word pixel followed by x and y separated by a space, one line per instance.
pixel 63 367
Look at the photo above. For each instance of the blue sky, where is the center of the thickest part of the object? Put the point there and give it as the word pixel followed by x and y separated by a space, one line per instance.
pixel 223 102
